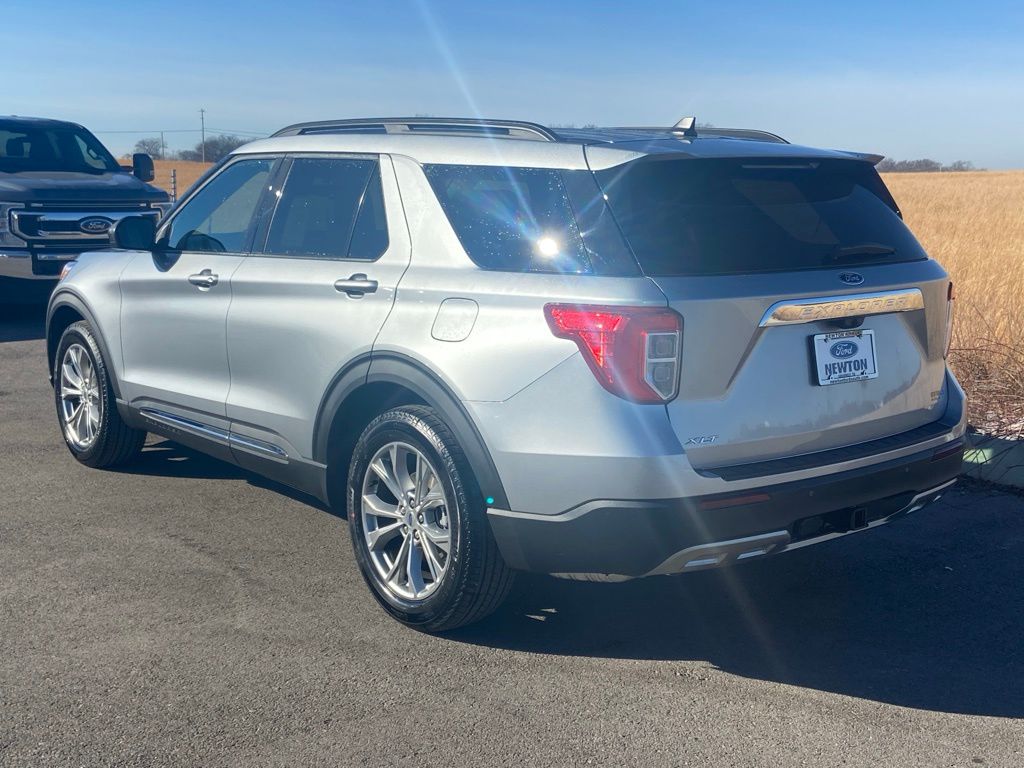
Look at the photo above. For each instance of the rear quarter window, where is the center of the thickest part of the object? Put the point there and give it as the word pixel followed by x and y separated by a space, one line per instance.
pixel 530 219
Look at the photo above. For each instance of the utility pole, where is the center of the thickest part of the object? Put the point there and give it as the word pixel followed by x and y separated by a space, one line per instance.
pixel 163 146
pixel 202 131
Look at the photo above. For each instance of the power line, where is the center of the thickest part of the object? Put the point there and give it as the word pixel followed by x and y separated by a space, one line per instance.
pixel 155 130
pixel 258 134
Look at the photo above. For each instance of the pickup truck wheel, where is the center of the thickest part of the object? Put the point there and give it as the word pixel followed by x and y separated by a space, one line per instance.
pixel 418 524
pixel 93 429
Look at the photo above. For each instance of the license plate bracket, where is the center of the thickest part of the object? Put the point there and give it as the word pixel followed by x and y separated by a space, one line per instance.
pixel 844 356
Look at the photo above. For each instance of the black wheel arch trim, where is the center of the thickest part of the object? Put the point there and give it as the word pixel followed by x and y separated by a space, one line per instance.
pixel 405 371
pixel 65 297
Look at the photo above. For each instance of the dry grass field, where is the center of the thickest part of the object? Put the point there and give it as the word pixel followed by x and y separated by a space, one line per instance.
pixel 973 223
pixel 187 173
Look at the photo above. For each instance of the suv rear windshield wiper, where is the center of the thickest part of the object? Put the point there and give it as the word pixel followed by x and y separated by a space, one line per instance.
pixel 860 251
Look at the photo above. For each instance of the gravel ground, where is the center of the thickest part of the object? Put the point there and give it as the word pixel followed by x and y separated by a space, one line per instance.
pixel 183 612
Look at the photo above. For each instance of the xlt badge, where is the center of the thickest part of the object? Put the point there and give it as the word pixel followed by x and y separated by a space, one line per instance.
pixel 702 440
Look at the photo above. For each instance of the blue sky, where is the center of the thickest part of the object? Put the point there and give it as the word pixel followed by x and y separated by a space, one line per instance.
pixel 906 79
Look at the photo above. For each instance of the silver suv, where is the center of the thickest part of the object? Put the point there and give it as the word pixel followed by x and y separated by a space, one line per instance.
pixel 598 354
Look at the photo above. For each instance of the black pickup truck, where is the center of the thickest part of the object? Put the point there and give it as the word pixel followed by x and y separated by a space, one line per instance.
pixel 60 193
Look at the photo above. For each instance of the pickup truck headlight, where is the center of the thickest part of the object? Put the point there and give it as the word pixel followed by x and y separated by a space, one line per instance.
pixel 6 237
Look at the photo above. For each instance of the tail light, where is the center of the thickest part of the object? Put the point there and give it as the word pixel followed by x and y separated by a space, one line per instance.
pixel 634 352
pixel 950 299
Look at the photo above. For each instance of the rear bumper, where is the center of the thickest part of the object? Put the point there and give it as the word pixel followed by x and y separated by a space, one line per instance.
pixel 607 538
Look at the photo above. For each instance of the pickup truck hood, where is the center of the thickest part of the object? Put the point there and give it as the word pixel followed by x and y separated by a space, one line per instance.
pixel 72 187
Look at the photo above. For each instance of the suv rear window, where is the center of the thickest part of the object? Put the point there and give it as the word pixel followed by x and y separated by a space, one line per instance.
pixel 698 217
pixel 531 219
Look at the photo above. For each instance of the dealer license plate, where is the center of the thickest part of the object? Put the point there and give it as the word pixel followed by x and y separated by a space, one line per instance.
pixel 845 356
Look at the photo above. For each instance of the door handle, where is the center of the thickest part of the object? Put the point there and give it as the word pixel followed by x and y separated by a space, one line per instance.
pixel 205 280
pixel 356 286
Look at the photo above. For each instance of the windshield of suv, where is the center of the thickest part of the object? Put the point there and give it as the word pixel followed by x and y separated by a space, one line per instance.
pixel 702 217
pixel 28 147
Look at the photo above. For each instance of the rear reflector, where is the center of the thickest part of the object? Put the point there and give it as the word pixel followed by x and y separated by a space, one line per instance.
pixel 634 352
pixel 734 501
pixel 950 302
pixel 948 450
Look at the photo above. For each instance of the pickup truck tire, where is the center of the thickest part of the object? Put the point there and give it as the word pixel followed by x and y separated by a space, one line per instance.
pixel 86 408
pixel 429 557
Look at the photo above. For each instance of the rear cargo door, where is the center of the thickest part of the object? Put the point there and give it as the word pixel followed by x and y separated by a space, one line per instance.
pixel 812 318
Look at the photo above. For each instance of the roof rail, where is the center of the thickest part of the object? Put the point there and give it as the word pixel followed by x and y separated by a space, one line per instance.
pixel 747 133
pixel 445 126
pixel 729 133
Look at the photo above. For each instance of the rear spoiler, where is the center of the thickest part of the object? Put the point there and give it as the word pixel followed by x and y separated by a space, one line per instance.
pixel 865 156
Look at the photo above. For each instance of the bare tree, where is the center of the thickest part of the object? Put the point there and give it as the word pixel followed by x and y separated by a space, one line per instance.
pixel 216 148
pixel 152 146
pixel 888 165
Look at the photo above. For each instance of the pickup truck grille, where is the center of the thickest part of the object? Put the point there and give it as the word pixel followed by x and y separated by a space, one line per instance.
pixel 58 226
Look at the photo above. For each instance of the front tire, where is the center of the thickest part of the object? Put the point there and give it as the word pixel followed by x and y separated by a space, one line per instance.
pixel 86 407
pixel 419 526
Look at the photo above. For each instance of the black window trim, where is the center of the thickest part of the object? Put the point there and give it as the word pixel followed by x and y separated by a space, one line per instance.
pixel 216 170
pixel 259 245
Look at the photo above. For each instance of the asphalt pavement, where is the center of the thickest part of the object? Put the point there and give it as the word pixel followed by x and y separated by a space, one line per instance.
pixel 181 611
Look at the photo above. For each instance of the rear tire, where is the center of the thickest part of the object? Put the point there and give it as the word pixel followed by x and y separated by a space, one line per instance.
pixel 429 557
pixel 93 429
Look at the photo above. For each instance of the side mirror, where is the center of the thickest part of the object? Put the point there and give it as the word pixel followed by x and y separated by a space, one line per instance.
pixel 134 233
pixel 142 167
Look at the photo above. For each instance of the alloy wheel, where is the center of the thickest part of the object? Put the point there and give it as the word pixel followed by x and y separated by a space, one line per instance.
pixel 81 407
pixel 405 521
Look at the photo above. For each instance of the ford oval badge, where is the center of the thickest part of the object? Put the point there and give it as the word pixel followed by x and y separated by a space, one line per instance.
pixel 95 225
pixel 843 349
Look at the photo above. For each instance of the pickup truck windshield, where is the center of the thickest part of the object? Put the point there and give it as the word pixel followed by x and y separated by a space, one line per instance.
pixel 25 147
pixel 728 216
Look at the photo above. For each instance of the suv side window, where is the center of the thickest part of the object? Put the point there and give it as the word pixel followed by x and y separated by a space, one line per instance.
pixel 330 208
pixel 220 216
pixel 531 219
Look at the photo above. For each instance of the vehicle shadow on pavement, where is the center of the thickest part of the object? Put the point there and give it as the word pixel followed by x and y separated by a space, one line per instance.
pixel 22 322
pixel 927 613
pixel 164 458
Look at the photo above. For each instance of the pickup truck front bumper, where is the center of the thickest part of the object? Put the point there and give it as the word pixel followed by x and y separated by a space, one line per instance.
pixel 27 264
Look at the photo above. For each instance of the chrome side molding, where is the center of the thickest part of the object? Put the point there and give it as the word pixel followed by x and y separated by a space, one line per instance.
pixel 258 447
pixel 217 435
pixel 833 308
pixel 186 425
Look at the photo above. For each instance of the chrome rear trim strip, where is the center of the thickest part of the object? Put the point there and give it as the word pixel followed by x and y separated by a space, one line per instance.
pixel 836 307
pixel 720 552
